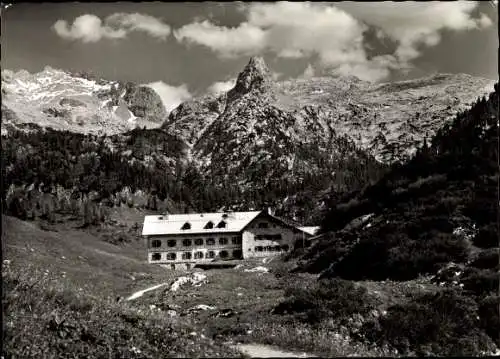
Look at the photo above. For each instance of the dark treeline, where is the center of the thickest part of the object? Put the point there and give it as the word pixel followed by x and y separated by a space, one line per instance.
pixel 155 163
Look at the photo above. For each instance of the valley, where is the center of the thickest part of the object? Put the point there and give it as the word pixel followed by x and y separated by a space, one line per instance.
pixel 400 176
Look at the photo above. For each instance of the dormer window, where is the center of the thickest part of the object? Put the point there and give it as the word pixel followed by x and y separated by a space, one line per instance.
pixel 209 225
pixel 186 225
pixel 221 224
pixel 225 215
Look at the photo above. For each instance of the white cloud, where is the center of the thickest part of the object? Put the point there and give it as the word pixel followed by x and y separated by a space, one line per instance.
pixel 334 33
pixel 412 23
pixel 90 28
pixel 221 86
pixel 286 28
pixel 171 96
pixel 377 69
pixel 227 42
pixel 276 75
pixel 308 72
pixel 140 22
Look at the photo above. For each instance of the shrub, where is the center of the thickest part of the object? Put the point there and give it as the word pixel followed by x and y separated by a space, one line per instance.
pixel 487 259
pixel 481 281
pixel 489 317
pixel 326 299
pixel 390 253
pixel 487 237
pixel 433 324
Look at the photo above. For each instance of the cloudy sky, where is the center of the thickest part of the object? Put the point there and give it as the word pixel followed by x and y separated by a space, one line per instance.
pixel 185 49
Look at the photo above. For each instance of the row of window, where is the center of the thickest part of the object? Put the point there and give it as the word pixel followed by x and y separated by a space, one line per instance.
pixel 221 224
pixel 197 255
pixel 284 248
pixel 270 237
pixel 209 225
pixel 157 243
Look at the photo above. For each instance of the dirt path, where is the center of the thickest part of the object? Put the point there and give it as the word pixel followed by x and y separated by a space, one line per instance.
pixel 141 292
pixel 266 351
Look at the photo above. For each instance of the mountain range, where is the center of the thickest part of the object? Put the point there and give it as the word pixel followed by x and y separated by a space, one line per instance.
pixel 402 177
pixel 263 143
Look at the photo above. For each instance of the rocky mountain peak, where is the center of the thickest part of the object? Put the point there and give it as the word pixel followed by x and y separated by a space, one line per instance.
pixel 255 76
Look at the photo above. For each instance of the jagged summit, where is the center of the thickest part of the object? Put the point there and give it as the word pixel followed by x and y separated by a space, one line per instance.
pixel 255 76
pixel 258 63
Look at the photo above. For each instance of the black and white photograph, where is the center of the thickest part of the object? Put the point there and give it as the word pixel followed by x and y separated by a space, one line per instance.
pixel 250 179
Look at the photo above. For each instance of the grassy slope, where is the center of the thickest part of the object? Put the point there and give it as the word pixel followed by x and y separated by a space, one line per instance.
pixel 87 261
pixel 59 295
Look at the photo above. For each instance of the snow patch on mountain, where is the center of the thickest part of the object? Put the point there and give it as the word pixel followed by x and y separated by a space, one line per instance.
pixel 66 101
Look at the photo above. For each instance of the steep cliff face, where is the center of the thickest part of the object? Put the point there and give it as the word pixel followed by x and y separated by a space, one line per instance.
pixel 190 119
pixel 144 102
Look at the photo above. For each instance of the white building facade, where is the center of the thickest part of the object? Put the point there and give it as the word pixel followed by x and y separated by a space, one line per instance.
pixel 181 241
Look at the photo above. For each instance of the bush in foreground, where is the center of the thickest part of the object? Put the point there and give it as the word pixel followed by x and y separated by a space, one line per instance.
pixel 326 299
pixel 445 323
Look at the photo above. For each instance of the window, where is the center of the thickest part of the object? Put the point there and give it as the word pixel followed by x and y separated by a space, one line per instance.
pixel 198 241
pixel 198 255
pixel 156 256
pixel 188 266
pixel 172 266
pixel 263 225
pixel 210 254
pixel 258 249
pixel 236 240
pixel 222 241
pixel 223 254
pixel 277 237
pixel 268 248
pixel 156 243
pixel 237 253
pixel 171 243
pixel 285 247
pixel 186 255
pixel 186 225
pixel 277 248
pixel 209 225
pixel 186 242
pixel 171 256
pixel 210 241
pixel 221 224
